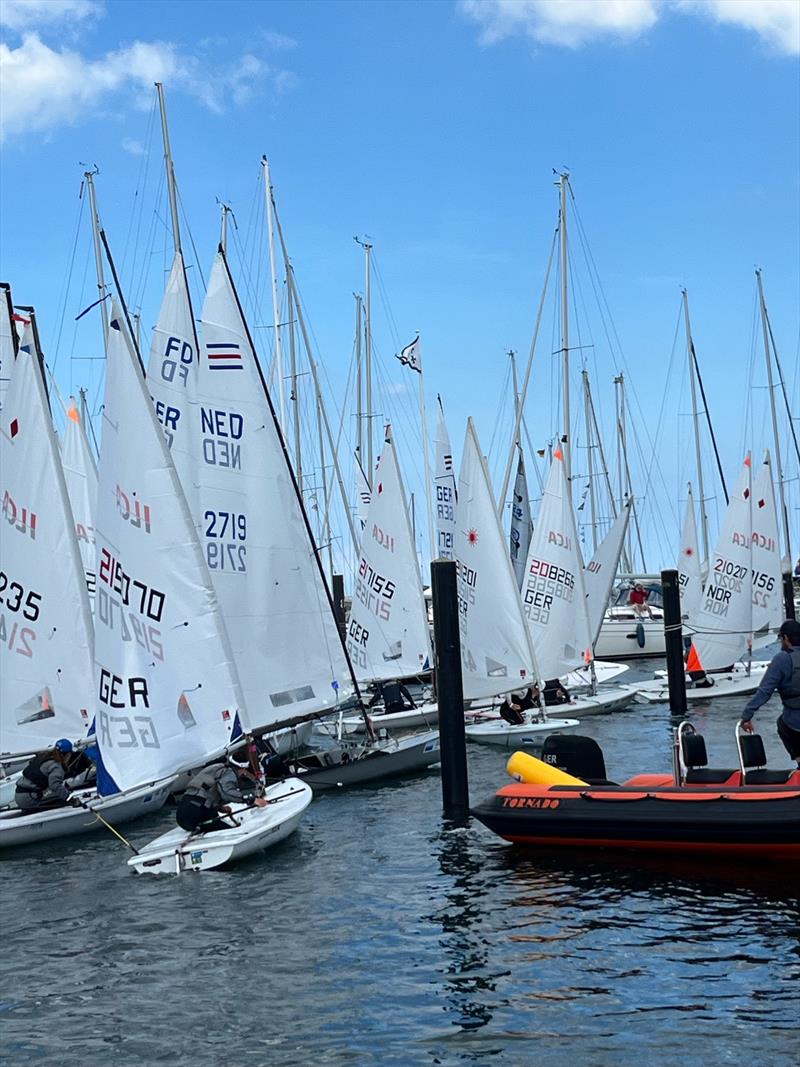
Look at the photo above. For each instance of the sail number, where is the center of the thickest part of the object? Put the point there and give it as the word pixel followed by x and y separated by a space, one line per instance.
pixel 225 551
pixel 374 590
pixel 15 598
pixel 151 601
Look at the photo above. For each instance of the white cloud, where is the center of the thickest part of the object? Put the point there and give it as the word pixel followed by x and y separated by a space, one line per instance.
pixel 132 147
pixel 42 88
pixel 570 23
pixel 278 41
pixel 777 22
pixel 21 15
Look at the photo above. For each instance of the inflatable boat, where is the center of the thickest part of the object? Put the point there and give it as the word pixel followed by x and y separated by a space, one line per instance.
pixel 565 799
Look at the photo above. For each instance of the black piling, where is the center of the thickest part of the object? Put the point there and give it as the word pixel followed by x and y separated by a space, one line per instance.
pixel 450 692
pixel 337 591
pixel 673 639
pixel 788 597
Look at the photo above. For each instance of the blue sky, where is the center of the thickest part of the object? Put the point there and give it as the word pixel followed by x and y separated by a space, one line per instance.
pixel 435 128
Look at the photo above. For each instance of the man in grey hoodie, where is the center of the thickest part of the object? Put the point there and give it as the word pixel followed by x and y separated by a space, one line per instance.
pixel 783 675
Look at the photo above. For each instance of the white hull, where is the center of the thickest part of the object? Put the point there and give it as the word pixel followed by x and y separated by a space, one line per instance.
pixel 625 635
pixel 425 715
pixel 8 786
pixel 731 683
pixel 287 742
pixel 499 732
pixel 612 699
pixel 259 828
pixel 374 763
pixel 18 828
pixel 604 672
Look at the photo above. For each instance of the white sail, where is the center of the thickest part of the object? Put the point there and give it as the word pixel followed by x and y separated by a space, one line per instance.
pixel 496 651
pixel 46 639
pixel 80 475
pixel 767 576
pixel 262 560
pixel 364 495
pixel 553 593
pixel 690 576
pixel 600 571
pixel 166 684
pixel 723 621
pixel 388 636
pixel 445 483
pixel 7 339
pixel 521 523
pixel 172 373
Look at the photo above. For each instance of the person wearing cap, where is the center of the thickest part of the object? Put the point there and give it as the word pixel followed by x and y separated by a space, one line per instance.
pixel 211 792
pixel 42 783
pixel 783 676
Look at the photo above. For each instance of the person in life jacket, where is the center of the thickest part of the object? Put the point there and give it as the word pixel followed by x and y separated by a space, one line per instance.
pixel 211 792
pixel 42 784
pixel 516 703
pixel 783 676
pixel 393 694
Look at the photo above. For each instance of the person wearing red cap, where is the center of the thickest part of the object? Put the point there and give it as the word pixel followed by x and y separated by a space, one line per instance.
pixel 783 676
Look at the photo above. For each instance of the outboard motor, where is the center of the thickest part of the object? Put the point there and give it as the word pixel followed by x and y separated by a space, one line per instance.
pixel 574 754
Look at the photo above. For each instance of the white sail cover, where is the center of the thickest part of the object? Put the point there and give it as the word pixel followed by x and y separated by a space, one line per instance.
pixel 279 617
pixel 46 639
pixel 553 592
pixel 172 373
pixel 600 571
pixel 723 622
pixel 767 577
pixel 690 576
pixel 388 635
pixel 445 482
pixel 80 475
pixel 521 523
pixel 166 684
pixel 7 330
pixel 496 650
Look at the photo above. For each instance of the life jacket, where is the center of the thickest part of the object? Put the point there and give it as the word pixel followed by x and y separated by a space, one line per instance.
pixel 33 774
pixel 790 694
pixel 205 785
pixel 392 696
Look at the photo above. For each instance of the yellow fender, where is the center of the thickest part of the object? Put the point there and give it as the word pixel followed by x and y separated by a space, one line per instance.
pixel 523 767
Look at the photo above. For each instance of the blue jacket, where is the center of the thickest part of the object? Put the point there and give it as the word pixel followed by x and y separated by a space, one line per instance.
pixel 778 676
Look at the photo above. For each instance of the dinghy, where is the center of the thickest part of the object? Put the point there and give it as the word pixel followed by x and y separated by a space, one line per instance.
pixel 346 763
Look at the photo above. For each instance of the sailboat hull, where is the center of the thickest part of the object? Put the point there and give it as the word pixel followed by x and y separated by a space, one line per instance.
pixel 624 635
pixel 18 828
pixel 421 716
pixel 177 852
pixel 500 733
pixel 733 683
pixel 386 759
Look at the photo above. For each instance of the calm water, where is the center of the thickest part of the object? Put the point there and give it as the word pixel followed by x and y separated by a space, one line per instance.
pixel 375 936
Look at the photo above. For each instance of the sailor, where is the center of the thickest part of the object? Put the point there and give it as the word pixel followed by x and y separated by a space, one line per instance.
pixel 42 783
pixel 211 792
pixel 393 694
pixel 783 675
pixel 555 693
pixel 517 703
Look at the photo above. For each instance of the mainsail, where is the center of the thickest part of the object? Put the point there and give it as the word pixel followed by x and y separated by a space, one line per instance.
pixel 8 340
pixel 767 577
pixel 600 571
pixel 46 639
pixel 80 475
pixel 496 651
pixel 388 635
pixel 259 550
pixel 445 483
pixel 723 622
pixel 167 689
pixel 689 573
pixel 521 522
pixel 553 592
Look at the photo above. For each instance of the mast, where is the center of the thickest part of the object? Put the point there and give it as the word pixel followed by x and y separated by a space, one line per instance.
pixel 276 313
pixel 171 187
pixel 294 395
pixel 564 183
pixel 368 349
pixel 626 562
pixel 359 398
pixel 773 410
pixel 423 418
pixel 325 516
pixel 98 254
pixel 624 468
pixel 695 423
pixel 587 411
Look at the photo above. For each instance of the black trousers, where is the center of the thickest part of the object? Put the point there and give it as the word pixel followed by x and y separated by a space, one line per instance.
pixel 193 814
pixel 790 738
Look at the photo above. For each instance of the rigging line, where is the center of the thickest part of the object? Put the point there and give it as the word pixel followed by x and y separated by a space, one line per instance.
pixel 710 427
pixel 197 262
pixel 783 385
pixel 385 301
pixel 141 180
pixel 75 323
pixel 67 284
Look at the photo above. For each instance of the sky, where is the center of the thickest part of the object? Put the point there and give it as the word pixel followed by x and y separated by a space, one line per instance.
pixel 435 129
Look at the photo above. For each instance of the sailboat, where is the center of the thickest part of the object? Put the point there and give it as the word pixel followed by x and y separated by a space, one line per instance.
pixel 47 682
pixel 554 597
pixel 445 487
pixel 741 594
pixel 8 338
pixel 496 650
pixel 80 475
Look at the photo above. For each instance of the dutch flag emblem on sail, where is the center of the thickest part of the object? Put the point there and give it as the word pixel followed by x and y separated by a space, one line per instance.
pixel 224 356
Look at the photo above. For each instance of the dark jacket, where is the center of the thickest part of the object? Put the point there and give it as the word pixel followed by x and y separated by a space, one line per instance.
pixel 219 785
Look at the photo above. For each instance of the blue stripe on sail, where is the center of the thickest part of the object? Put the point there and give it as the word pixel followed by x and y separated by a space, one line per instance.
pixel 227 345
pixel 225 366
